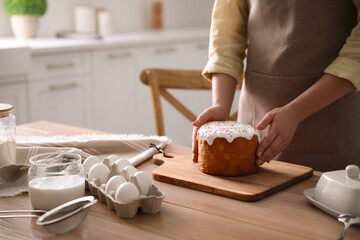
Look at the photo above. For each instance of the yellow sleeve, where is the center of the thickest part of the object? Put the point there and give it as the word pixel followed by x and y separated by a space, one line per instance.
pixel 228 38
pixel 347 64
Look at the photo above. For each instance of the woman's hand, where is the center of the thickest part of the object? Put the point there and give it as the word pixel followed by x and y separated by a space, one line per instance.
pixel 282 124
pixel 223 90
pixel 284 121
pixel 213 113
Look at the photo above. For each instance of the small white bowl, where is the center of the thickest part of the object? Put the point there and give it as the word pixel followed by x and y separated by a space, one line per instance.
pixel 340 190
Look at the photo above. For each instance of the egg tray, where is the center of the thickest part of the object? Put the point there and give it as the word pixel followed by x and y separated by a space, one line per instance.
pixel 149 204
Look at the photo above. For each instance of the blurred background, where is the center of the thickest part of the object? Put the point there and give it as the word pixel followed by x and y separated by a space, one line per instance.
pixel 78 62
pixel 130 15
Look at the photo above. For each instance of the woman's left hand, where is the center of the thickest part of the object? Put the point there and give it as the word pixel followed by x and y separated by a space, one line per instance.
pixel 282 124
pixel 284 121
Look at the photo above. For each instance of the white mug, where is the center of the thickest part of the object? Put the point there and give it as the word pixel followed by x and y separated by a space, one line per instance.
pixel 85 19
pixel 106 23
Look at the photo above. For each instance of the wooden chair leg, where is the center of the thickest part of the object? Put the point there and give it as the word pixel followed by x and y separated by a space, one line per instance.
pixel 155 96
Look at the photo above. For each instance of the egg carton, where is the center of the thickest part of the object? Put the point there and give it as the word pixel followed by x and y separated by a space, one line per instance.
pixel 149 204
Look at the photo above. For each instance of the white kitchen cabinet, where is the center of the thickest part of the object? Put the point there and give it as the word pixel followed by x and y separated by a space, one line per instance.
pixel 59 88
pixel 114 92
pixel 166 56
pixel 63 100
pixel 123 104
pixel 178 56
pixel 96 83
pixel 14 67
pixel 194 54
pixel 15 93
pixel 55 65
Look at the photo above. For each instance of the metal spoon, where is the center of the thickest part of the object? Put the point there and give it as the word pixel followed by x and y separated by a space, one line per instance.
pixel 348 220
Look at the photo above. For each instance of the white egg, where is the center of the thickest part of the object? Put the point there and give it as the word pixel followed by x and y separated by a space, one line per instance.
pixel 99 171
pixel 143 181
pixel 111 159
pixel 113 183
pixel 126 192
pixel 128 171
pixel 89 162
pixel 121 163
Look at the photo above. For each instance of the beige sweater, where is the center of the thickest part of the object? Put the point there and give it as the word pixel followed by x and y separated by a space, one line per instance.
pixel 228 45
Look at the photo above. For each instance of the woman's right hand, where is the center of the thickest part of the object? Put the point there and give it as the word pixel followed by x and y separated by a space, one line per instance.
pixel 223 90
pixel 213 113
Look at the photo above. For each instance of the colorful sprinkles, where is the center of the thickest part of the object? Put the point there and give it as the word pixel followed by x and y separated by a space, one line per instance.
pixel 226 129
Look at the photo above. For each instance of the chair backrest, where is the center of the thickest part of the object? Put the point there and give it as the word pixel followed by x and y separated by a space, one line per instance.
pixel 161 79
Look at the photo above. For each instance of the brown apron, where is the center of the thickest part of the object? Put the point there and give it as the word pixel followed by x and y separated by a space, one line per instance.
pixel 291 42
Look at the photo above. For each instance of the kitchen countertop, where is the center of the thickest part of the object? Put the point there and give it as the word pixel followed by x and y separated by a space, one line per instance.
pixel 186 213
pixel 131 39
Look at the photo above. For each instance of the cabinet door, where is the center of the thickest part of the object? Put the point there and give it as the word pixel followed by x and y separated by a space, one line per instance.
pixel 167 56
pixel 15 94
pixel 180 56
pixel 60 64
pixel 195 54
pixel 63 100
pixel 115 77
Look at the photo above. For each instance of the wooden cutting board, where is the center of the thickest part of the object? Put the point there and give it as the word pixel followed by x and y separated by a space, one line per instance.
pixel 270 178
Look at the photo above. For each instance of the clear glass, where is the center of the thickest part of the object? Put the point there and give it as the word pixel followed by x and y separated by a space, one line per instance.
pixel 55 178
pixel 7 138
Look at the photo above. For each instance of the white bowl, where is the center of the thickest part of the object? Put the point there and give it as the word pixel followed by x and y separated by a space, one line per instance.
pixel 340 190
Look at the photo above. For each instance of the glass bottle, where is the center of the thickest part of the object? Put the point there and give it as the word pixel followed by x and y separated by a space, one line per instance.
pixel 7 135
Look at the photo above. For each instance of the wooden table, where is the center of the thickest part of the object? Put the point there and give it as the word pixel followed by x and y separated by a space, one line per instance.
pixel 186 213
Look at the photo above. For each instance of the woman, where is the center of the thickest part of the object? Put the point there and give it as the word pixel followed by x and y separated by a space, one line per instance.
pixel 302 74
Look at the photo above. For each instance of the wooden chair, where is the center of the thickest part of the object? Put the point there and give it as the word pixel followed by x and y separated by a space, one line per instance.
pixel 159 80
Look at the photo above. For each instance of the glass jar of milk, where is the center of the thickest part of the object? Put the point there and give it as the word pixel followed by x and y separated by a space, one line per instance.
pixel 7 135
pixel 54 179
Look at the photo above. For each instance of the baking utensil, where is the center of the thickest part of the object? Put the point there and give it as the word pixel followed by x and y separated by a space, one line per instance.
pixel 61 219
pixel 67 216
pixel 348 220
pixel 160 150
pixel 16 215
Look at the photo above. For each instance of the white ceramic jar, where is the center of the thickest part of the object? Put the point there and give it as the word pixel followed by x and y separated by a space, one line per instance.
pixel 340 190
pixel 105 23
pixel 85 19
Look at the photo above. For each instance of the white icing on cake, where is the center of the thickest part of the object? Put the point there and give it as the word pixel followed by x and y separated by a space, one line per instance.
pixel 226 129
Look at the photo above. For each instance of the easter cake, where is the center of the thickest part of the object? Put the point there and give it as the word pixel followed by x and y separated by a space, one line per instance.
pixel 227 148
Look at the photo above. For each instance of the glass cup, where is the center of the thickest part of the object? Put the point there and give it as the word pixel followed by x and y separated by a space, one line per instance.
pixel 55 178
pixel 7 135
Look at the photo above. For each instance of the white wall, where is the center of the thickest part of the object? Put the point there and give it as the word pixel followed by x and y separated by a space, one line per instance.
pixel 131 15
